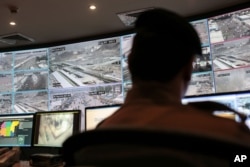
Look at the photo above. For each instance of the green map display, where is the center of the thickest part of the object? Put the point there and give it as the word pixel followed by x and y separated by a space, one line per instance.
pixel 7 128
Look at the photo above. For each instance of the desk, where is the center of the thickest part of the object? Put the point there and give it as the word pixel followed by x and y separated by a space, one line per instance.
pixel 20 157
pixel 26 164
pixel 22 164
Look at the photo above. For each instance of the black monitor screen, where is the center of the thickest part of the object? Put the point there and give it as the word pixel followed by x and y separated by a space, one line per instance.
pixel 94 115
pixel 54 127
pixel 16 130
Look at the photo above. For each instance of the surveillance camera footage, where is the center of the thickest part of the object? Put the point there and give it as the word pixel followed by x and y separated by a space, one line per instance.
pixel 95 72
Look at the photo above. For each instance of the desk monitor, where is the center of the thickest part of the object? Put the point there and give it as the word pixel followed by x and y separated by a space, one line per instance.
pixel 52 128
pixel 94 115
pixel 16 130
pixel 237 101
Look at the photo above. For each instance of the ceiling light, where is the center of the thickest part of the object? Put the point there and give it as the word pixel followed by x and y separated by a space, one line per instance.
pixel 12 23
pixel 13 11
pixel 92 7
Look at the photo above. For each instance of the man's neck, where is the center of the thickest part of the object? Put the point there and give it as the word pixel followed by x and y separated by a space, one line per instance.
pixel 156 91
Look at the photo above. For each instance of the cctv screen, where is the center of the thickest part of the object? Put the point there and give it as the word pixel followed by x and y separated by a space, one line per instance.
pixel 16 130
pixel 94 115
pixel 94 72
pixel 52 128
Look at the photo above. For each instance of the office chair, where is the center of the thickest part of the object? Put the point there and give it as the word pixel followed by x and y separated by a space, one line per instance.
pixel 149 147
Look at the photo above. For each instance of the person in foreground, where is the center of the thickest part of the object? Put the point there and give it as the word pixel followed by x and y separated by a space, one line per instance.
pixel 160 64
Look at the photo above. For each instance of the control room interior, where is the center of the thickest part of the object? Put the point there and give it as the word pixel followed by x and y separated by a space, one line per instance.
pixel 29 84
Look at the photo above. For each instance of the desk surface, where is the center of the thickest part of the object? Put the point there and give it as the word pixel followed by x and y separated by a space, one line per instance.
pixel 13 156
pixel 22 164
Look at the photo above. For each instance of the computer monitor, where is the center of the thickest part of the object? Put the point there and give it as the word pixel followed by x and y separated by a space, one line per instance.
pixel 52 128
pixel 94 115
pixel 16 130
pixel 236 101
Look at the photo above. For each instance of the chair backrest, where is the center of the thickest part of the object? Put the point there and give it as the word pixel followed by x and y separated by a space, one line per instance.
pixel 148 147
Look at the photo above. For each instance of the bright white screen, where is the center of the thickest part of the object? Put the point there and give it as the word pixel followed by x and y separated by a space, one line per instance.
pixel 95 115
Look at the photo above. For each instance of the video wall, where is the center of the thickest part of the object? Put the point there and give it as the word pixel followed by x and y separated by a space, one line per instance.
pixel 225 63
pixel 95 73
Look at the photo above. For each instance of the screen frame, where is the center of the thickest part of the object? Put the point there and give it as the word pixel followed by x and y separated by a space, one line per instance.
pixel 76 126
pixel 11 115
pixel 98 107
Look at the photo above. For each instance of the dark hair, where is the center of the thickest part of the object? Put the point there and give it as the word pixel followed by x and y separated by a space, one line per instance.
pixel 163 44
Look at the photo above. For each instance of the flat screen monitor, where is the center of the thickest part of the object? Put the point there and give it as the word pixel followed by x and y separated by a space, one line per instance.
pixel 16 130
pixel 225 54
pixel 237 101
pixel 94 115
pixel 52 128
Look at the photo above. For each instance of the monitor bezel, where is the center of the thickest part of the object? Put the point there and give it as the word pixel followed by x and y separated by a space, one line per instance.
pixel 76 128
pixel 97 107
pixel 14 115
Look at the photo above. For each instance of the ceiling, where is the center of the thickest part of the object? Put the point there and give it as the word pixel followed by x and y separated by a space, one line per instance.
pixel 54 21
